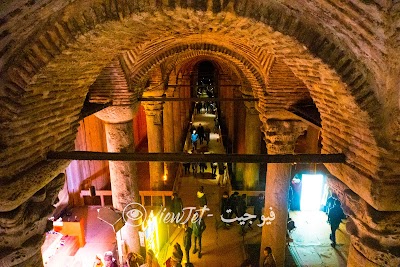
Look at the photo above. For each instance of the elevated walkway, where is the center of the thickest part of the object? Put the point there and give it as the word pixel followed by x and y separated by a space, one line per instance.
pixel 221 247
pixel 229 247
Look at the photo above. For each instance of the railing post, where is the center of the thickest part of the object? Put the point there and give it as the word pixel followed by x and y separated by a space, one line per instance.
pixel 102 200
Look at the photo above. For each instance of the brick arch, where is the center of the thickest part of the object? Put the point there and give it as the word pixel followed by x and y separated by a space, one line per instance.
pixel 188 58
pixel 86 55
pixel 89 14
pixel 155 54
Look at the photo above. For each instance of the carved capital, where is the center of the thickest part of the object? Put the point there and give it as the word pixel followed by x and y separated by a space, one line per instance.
pixel 23 228
pixel 153 109
pixel 281 135
pixel 374 234
pixel 117 114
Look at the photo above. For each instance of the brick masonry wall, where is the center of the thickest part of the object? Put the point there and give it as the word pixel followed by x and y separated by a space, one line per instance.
pixel 50 61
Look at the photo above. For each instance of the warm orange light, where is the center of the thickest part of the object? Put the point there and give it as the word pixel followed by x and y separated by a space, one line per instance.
pixel 165 177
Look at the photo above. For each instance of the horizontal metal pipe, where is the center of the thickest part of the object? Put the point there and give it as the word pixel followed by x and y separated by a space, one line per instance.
pixel 185 157
pixel 195 99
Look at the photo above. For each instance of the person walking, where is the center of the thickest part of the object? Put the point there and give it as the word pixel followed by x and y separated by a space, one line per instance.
pixel 258 206
pixel 186 166
pixel 207 134
pixel 233 201
pixel 269 259
pixel 203 167
pixel 187 240
pixel 241 209
pixel 330 202
pixel 225 206
pixel 176 207
pixel 221 173
pixel 216 125
pixel 335 217
pixel 194 168
pixel 194 138
pixel 214 166
pixel 200 132
pixel 201 197
pixel 176 259
pixel 198 228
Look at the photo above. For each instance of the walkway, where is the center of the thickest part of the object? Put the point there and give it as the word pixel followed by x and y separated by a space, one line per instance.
pixel 221 247
pixel 227 247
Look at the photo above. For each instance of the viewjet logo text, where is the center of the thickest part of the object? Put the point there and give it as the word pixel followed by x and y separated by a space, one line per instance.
pixel 135 214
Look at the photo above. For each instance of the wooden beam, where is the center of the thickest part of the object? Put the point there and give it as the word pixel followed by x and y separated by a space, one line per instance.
pixel 184 157
pixel 195 99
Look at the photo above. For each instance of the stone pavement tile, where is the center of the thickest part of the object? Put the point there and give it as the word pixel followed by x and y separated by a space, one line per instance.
pixel 308 256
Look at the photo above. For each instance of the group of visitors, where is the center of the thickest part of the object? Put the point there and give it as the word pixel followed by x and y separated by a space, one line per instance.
pixel 236 205
pixel 132 260
pixel 199 135
pixel 208 107
pixel 194 226
pixel 202 166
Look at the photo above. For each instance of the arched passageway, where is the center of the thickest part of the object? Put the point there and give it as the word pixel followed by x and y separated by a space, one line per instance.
pixel 72 59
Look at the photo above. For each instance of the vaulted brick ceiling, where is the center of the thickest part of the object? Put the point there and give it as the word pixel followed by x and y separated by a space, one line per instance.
pixel 57 58
pixel 66 48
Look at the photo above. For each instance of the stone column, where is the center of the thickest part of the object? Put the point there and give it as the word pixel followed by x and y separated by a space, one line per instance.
pixel 240 142
pixel 184 111
pixel 252 145
pixel 374 235
pixel 153 112
pixel 312 141
pixel 177 119
pixel 123 174
pixel 169 139
pixel 281 136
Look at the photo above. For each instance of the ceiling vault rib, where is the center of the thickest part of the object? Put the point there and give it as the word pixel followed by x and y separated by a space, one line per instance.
pixel 184 157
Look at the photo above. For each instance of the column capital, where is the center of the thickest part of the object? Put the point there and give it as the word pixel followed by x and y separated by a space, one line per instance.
pixel 154 109
pixel 281 135
pixel 117 114
pixel 367 227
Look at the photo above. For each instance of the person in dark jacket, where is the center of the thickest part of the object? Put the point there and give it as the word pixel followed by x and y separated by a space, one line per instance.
pixel 176 206
pixel 203 167
pixel 187 240
pixel 258 206
pixel 233 201
pixel 200 132
pixel 335 217
pixel 225 206
pixel 198 227
pixel 269 259
pixel 186 166
pixel 214 166
pixel 241 209
pixel 330 202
